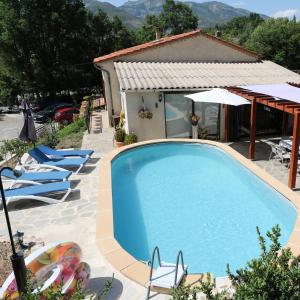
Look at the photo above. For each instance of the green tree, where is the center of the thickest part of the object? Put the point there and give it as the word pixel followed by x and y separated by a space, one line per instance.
pixel 175 18
pixel 277 40
pixel 122 37
pixel 47 46
pixel 239 29
pixel 148 30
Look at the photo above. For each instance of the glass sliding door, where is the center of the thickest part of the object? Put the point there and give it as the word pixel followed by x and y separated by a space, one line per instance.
pixel 178 111
pixel 209 116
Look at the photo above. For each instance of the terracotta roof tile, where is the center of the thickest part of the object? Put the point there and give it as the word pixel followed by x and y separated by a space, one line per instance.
pixel 168 39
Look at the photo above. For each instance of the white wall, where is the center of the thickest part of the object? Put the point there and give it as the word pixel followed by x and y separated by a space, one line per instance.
pixel 194 49
pixel 145 129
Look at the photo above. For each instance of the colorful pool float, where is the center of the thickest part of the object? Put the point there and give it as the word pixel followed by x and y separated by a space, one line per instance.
pixel 54 265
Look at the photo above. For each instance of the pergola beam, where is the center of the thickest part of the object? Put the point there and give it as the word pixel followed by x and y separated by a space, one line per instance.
pixel 252 130
pixel 295 151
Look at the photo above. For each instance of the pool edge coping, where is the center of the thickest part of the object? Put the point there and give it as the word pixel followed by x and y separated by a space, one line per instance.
pixel 124 262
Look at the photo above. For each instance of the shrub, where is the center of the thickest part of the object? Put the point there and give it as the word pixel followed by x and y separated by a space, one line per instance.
pixel 273 275
pixel 49 139
pixel 130 138
pixel 13 147
pixel 120 135
pixel 77 126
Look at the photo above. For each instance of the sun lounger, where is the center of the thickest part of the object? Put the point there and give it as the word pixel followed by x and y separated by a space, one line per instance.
pixel 39 191
pixel 64 153
pixel 35 176
pixel 58 164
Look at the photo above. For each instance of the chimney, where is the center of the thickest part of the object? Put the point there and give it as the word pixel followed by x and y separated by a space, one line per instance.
pixel 218 34
pixel 157 33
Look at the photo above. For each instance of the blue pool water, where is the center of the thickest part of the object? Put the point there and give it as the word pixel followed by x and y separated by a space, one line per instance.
pixel 196 198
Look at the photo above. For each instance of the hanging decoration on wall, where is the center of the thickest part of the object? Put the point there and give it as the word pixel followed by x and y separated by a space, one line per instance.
pixel 144 113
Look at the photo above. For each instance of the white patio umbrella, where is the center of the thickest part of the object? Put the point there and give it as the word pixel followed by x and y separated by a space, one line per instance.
pixel 221 96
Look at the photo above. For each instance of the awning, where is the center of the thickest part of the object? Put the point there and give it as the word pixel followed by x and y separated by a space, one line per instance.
pixel 220 96
pixel 282 91
pixel 141 76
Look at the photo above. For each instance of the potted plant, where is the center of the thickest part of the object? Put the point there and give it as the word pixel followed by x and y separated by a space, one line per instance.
pixel 120 137
pixel 131 138
pixel 145 113
pixel 195 120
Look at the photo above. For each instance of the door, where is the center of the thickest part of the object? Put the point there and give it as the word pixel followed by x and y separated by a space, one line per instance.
pixel 178 111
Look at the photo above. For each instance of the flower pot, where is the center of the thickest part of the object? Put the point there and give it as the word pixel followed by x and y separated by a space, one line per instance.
pixel 120 144
pixel 195 131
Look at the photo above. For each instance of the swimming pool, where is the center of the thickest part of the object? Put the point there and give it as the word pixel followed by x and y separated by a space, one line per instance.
pixel 197 198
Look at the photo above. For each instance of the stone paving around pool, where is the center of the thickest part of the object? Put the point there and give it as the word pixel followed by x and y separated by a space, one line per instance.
pixel 75 220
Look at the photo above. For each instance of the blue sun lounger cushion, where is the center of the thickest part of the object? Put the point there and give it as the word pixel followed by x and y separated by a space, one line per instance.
pixel 38 176
pixel 39 192
pixel 49 151
pixel 42 158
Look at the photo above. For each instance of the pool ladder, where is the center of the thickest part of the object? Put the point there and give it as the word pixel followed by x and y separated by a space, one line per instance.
pixel 162 265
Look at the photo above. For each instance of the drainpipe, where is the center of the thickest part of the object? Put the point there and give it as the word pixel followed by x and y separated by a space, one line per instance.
pixel 109 82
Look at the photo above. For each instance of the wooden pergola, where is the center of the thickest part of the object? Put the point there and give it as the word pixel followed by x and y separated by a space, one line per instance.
pixel 287 107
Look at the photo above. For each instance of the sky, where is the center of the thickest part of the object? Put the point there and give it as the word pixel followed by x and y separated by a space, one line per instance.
pixel 273 8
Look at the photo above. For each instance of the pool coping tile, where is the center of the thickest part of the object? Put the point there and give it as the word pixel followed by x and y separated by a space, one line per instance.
pixel 119 258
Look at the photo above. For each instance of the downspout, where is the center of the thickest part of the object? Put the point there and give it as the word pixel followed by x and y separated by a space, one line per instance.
pixel 109 82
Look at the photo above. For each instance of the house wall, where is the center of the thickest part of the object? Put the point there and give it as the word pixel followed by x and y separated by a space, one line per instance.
pixel 193 49
pixel 145 129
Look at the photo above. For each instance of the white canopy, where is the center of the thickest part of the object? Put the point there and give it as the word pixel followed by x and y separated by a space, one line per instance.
pixel 279 91
pixel 220 96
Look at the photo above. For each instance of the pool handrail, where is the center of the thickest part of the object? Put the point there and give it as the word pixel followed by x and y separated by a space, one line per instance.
pixel 179 255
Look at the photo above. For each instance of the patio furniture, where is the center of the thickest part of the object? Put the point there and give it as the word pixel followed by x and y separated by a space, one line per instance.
pixel 279 153
pixel 167 275
pixel 39 191
pixel 64 152
pixel 44 161
pixel 35 176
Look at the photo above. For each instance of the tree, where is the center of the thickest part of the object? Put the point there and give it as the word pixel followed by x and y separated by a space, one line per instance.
pixel 277 40
pixel 239 29
pixel 122 37
pixel 175 18
pixel 148 29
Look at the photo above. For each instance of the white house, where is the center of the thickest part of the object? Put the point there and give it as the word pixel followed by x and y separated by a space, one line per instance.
pixel 156 75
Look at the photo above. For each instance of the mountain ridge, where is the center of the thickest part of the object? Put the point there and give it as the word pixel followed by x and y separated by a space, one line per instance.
pixel 133 12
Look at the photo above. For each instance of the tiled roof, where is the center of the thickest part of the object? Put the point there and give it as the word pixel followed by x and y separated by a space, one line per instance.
pixel 169 39
pixel 164 76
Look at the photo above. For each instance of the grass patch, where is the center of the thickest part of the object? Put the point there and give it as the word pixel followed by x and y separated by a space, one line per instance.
pixel 71 135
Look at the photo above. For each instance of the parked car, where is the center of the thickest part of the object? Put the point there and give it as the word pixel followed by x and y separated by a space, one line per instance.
pixel 48 113
pixel 9 110
pixel 65 115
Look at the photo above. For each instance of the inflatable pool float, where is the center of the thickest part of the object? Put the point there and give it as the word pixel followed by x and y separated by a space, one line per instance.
pixel 54 265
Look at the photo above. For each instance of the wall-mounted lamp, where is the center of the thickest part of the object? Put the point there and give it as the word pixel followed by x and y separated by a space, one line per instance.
pixel 160 97
pixel 156 105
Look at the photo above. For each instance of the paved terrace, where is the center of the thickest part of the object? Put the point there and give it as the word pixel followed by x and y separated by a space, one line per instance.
pixel 75 219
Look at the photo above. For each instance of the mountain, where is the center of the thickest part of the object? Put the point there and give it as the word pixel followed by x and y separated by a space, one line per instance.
pixel 133 12
pixel 128 20
pixel 214 12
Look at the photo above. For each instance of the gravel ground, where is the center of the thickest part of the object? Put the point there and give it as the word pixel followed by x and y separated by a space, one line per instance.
pixel 6 252
pixel 5 265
